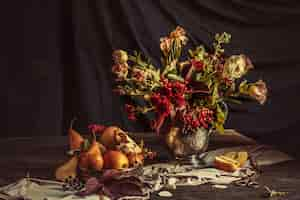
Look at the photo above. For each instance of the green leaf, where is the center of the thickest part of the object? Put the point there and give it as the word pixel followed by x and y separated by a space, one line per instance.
pixel 219 128
pixel 85 145
pixel 215 94
pixel 175 77
pixel 232 100
pixel 220 114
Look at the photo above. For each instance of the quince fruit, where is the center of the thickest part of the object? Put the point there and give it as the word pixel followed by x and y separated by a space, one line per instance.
pixel 115 160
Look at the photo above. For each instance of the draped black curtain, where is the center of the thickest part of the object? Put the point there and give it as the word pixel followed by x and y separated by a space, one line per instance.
pixel 58 56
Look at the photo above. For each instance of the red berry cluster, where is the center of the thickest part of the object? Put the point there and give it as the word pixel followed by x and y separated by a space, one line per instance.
pixel 205 117
pixel 162 104
pixel 175 91
pixel 200 118
pixel 130 110
pixel 198 65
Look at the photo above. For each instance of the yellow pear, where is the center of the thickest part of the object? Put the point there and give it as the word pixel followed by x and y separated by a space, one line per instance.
pixel 91 159
pixel 95 156
pixel 75 139
pixel 115 160
pixel 68 169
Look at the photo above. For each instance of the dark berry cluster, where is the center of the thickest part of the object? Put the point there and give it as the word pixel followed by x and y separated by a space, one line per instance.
pixel 72 183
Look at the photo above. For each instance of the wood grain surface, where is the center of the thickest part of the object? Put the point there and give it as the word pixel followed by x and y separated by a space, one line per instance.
pixel 41 155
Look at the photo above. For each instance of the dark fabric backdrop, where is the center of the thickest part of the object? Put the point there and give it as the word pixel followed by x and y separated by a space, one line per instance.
pixel 56 57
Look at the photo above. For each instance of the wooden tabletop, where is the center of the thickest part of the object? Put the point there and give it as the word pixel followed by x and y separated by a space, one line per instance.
pixel 41 155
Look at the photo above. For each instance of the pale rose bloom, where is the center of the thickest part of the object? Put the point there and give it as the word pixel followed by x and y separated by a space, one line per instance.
pixel 120 56
pixel 138 74
pixel 258 91
pixel 236 66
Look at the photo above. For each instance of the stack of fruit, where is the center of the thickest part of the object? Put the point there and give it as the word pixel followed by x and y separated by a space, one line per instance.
pixel 109 148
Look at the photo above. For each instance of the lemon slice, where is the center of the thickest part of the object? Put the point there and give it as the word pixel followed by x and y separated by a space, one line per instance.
pixel 226 163
pixel 241 157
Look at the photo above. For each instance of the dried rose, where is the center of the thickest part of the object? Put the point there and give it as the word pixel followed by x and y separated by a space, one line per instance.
pixel 180 35
pixel 236 66
pixel 258 91
pixel 138 75
pixel 120 70
pixel 165 45
pixel 120 56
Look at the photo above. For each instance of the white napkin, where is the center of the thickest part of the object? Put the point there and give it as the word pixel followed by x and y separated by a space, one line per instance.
pixel 38 189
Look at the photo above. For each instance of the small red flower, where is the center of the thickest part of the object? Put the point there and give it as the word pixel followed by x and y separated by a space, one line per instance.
pixel 96 128
pixel 155 98
pixel 205 117
pixel 187 118
pixel 130 110
pixel 179 101
pixel 163 109
pixel 131 117
pixel 164 106
pixel 166 91
pixel 198 65
pixel 138 75
pixel 195 123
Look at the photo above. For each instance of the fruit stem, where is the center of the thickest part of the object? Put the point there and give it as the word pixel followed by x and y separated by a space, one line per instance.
pixel 94 135
pixel 72 122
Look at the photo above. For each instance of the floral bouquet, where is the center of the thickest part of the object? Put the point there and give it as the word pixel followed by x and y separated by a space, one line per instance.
pixel 189 95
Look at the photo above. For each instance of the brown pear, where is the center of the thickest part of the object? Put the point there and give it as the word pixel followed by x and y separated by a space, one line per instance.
pixel 68 169
pixel 75 139
pixel 91 159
